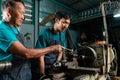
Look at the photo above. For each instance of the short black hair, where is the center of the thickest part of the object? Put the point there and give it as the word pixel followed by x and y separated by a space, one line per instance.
pixel 10 3
pixel 63 14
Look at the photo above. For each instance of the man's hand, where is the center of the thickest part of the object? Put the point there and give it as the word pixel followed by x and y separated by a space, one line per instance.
pixel 56 48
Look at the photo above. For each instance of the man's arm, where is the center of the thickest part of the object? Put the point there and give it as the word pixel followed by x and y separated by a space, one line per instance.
pixel 42 65
pixel 18 49
pixel 59 57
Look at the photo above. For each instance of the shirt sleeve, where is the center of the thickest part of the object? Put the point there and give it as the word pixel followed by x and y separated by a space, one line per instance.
pixel 41 42
pixel 6 38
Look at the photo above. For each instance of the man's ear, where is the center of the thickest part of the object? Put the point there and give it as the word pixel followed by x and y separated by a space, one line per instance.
pixel 57 20
pixel 9 11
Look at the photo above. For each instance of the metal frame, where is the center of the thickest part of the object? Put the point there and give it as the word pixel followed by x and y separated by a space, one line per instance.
pixel 93 13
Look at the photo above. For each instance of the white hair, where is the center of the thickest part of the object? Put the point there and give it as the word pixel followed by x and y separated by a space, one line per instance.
pixel 5 17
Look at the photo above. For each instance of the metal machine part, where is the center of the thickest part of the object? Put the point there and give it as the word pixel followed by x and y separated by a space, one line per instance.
pixel 57 76
pixel 5 65
pixel 86 56
pixel 94 60
pixel 91 56
pixel 71 50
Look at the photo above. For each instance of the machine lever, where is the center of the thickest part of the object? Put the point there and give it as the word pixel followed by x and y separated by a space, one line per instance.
pixel 71 50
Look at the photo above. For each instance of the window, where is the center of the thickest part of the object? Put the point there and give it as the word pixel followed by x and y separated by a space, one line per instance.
pixel 29 15
pixel 0 9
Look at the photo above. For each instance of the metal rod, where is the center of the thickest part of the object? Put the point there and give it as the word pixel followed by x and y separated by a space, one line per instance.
pixel 104 21
pixel 71 50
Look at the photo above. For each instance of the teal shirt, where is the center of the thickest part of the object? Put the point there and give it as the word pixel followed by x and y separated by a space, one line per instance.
pixel 7 37
pixel 47 38
pixel 46 34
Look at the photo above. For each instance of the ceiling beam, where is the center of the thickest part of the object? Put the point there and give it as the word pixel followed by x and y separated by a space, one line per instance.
pixel 62 5
pixel 88 2
pixel 75 2
pixel 93 13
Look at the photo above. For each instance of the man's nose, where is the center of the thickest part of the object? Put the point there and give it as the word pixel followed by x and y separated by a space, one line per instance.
pixel 66 25
pixel 23 17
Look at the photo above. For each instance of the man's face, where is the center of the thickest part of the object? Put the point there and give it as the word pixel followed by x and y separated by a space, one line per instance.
pixel 63 24
pixel 17 16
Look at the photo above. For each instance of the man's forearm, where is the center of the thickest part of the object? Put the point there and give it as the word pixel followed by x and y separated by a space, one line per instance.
pixel 59 57
pixel 41 65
